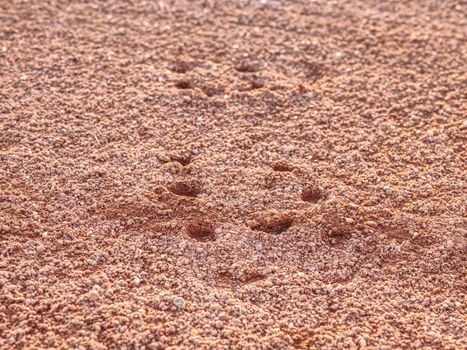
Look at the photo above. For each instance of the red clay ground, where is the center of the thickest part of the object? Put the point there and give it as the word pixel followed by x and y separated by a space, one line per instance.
pixel 240 174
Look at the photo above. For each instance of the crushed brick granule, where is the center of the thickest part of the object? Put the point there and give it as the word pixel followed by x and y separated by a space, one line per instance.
pixel 236 174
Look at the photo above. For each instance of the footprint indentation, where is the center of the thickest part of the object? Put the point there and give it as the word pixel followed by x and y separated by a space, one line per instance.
pixel 257 84
pixel 253 276
pixel 201 230
pixel 184 84
pixel 245 67
pixel 181 67
pixel 312 194
pixel 186 188
pixel 273 225
pixel 182 159
pixel 282 166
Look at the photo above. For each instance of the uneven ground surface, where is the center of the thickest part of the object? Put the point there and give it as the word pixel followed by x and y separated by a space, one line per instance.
pixel 244 175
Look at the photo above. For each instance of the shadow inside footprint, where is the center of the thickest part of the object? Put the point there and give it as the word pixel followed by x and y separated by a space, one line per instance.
pixel 200 230
pixel 184 159
pixel 312 194
pixel 273 225
pixel 186 188
pixel 282 166
pixel 183 84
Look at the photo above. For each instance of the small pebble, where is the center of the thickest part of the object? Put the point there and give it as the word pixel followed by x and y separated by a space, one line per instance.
pixel 449 244
pixel 179 303
pixel 93 296
pixel 40 248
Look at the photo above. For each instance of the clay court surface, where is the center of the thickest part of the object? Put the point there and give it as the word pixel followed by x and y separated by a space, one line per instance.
pixel 233 174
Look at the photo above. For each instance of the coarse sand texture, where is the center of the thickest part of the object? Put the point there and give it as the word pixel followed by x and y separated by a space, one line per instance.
pixel 242 174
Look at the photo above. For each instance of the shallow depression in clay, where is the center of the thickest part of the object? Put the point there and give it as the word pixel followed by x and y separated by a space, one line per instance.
pixel 201 230
pixel 312 194
pixel 273 224
pixel 186 188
